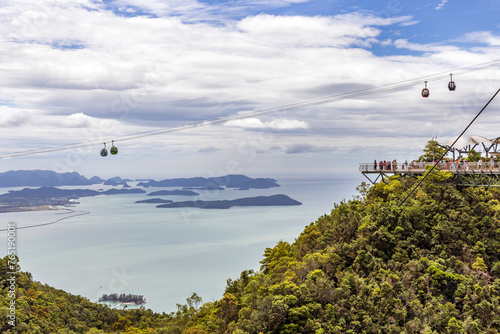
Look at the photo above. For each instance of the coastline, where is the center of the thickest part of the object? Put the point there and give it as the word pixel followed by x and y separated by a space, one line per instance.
pixel 27 208
pixel 117 304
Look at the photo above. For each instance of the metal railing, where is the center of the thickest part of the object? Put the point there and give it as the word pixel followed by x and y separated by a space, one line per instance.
pixel 420 167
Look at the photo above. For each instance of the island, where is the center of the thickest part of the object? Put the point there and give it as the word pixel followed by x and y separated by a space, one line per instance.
pixel 128 299
pixel 173 193
pixel 215 183
pixel 274 200
pixel 45 198
pixel 44 178
pixel 155 200
pixel 123 191
pixel 209 188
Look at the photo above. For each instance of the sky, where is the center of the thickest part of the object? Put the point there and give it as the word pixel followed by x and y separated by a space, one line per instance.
pixel 92 71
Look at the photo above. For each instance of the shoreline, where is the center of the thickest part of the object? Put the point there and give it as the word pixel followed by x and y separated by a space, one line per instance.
pixel 117 303
pixel 70 211
pixel 28 208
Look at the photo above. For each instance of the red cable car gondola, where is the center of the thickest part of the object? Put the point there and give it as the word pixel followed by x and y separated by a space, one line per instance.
pixel 425 91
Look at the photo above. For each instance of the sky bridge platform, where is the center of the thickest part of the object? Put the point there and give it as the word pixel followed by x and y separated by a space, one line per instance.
pixel 465 174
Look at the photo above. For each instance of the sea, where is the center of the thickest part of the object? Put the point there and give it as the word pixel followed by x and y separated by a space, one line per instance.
pixel 110 244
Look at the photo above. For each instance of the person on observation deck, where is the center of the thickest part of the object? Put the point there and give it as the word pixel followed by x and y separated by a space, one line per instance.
pixel 375 165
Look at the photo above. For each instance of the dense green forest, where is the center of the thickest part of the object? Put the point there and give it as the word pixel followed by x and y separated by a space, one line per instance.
pixel 431 265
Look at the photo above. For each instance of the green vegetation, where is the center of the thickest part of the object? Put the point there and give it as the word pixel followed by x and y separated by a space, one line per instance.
pixel 432 152
pixel 429 266
pixel 474 156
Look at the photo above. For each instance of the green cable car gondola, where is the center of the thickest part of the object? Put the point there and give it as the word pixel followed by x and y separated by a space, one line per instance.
pixel 113 150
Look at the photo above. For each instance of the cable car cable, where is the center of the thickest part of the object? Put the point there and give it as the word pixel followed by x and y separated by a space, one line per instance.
pixel 300 105
pixel 444 154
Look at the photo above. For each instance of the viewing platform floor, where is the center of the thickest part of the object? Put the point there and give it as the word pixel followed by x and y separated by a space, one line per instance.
pixel 472 174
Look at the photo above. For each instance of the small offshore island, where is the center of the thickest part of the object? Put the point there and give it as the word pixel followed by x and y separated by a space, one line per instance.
pixel 173 193
pixel 274 200
pixel 128 299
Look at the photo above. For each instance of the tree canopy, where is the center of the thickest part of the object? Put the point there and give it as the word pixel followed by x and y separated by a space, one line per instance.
pixel 432 151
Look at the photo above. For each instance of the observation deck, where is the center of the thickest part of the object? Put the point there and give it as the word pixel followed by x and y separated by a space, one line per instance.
pixel 471 174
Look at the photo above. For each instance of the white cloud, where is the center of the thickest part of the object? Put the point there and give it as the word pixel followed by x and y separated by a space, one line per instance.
pixel 78 120
pixel 308 148
pixel 278 124
pixel 17 117
pixel 168 71
pixel 273 3
pixel 431 47
pixel 341 30
pixel 209 149
pixel 486 37
pixel 13 117
pixel 161 7
pixel 441 4
pixel 409 23
pixel 196 11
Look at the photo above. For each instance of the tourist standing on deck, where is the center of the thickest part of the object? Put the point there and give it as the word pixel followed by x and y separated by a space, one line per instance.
pixel 375 165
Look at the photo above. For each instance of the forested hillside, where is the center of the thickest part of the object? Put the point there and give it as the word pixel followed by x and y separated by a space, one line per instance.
pixel 429 266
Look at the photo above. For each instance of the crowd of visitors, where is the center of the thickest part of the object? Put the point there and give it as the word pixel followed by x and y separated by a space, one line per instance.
pixel 459 164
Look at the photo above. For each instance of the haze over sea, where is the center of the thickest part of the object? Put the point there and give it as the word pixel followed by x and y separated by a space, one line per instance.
pixel 163 254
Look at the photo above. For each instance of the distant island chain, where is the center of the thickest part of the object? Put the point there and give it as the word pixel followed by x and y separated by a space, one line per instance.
pixel 47 196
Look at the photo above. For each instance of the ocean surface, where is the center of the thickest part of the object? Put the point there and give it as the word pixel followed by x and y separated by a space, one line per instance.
pixel 109 244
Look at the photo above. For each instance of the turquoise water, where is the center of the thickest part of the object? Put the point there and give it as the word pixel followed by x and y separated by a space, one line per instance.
pixel 163 254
